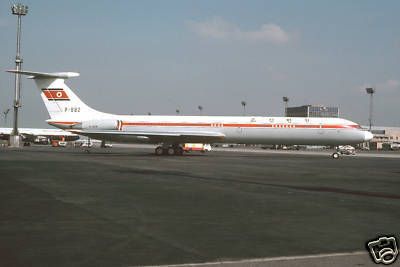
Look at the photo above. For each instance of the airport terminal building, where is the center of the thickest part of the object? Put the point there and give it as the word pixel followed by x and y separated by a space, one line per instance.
pixel 313 111
pixel 386 138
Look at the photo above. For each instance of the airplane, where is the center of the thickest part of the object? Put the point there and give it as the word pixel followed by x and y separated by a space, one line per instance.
pixel 30 134
pixel 68 112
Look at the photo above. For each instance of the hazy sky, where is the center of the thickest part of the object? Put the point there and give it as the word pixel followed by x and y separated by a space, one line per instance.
pixel 157 56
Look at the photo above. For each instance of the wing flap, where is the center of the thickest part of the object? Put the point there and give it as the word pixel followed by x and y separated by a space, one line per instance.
pixel 154 137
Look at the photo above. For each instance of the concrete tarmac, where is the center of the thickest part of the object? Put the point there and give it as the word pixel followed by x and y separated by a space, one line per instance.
pixel 127 207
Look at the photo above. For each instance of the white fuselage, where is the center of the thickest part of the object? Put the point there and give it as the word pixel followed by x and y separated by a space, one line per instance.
pixel 67 111
pixel 244 129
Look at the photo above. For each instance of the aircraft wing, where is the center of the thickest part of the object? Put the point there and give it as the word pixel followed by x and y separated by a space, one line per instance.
pixel 5 133
pixel 31 133
pixel 156 136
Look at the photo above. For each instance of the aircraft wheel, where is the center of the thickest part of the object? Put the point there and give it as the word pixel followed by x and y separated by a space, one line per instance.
pixel 335 155
pixel 159 151
pixel 178 151
pixel 170 151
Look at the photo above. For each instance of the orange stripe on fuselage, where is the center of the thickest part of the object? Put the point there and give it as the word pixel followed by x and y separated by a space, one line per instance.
pixel 121 124
pixel 166 124
pixel 243 125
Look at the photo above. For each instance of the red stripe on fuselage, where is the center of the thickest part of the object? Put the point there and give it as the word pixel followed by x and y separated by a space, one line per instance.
pixel 242 125
pixel 121 124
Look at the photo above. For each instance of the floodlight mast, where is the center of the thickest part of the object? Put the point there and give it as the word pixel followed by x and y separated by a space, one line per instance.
pixel 371 92
pixel 18 10
pixel 285 101
pixel 244 107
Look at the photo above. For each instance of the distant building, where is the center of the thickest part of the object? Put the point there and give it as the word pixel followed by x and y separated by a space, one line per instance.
pixel 384 137
pixel 313 111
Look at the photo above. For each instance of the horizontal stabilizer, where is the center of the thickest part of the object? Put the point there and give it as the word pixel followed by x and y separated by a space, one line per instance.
pixel 45 75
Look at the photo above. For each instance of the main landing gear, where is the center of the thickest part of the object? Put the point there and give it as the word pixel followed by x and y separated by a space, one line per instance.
pixel 335 155
pixel 169 150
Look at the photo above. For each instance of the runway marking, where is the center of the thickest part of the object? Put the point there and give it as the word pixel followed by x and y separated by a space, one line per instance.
pixel 284 258
pixel 344 191
pixel 308 188
pixel 305 152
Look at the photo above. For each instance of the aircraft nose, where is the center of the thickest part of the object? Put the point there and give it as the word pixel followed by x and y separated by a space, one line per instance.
pixel 368 136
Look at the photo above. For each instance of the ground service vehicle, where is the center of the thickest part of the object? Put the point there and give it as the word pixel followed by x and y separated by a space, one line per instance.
pixel 187 147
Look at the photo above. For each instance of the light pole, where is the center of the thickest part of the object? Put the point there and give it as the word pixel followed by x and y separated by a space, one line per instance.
pixel 371 92
pixel 244 107
pixel 18 10
pixel 200 109
pixel 285 102
pixel 5 113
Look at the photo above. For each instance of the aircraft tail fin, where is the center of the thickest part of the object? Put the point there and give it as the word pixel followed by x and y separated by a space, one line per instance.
pixel 64 106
